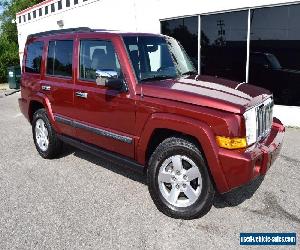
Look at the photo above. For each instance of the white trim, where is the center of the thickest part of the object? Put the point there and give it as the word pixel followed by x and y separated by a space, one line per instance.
pixel 199 45
pixel 248 46
pixel 288 115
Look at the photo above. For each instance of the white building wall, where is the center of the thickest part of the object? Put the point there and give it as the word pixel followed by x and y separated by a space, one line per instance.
pixel 125 15
pixel 137 16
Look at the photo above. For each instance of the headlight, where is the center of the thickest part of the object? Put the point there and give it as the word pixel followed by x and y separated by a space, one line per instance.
pixel 251 131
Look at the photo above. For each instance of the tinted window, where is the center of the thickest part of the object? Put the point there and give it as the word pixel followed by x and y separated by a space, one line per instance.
pixel 59 60
pixel 29 16
pixel 34 14
pixel 24 18
pixel 157 58
pixel 46 10
pixel 52 7
pixel 275 52
pixel 67 3
pixel 34 57
pixel 40 12
pixel 97 55
pixel 20 19
pixel 75 2
pixel 185 30
pixel 224 45
pixel 59 5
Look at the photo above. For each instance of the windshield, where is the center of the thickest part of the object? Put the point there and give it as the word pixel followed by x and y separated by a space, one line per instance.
pixel 155 57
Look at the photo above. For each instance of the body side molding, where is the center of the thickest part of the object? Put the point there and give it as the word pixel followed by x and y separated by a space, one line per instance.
pixel 94 130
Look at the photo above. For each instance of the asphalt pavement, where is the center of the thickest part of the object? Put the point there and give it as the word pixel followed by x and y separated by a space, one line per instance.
pixel 79 201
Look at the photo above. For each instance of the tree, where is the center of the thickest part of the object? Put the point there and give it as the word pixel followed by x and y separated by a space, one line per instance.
pixel 9 54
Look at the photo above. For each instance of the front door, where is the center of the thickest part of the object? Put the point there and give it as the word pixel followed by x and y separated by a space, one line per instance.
pixel 103 117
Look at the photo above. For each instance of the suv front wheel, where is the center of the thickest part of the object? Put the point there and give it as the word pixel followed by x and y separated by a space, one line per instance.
pixel 45 139
pixel 178 179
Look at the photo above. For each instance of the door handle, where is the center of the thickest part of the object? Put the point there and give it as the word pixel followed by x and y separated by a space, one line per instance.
pixel 46 87
pixel 81 95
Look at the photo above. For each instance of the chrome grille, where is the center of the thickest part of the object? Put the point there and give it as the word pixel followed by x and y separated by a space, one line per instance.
pixel 264 118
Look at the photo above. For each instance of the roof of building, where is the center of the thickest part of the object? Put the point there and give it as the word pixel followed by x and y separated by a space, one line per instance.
pixel 35 6
pixel 85 30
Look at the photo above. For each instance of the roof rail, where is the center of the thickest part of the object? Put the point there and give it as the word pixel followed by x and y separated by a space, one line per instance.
pixel 61 31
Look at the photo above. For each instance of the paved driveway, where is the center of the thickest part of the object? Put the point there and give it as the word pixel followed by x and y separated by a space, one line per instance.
pixel 79 201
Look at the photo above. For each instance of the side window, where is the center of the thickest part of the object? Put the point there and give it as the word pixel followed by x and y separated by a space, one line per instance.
pixel 59 59
pixel 97 55
pixel 34 57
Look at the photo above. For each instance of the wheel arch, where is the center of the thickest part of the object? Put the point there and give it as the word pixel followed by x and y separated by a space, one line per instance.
pixel 161 126
pixel 39 101
pixel 34 105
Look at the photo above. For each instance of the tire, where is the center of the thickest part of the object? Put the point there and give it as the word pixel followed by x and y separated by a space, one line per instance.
pixel 191 185
pixel 45 139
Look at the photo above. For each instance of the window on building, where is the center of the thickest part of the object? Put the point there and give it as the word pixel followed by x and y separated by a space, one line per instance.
pixel 40 11
pixel 24 18
pixel 52 7
pixel 20 19
pixel 224 45
pixel 34 57
pixel 97 55
pixel 29 16
pixel 34 14
pixel 275 52
pixel 59 5
pixel 68 4
pixel 75 2
pixel 185 30
pixel 46 10
pixel 59 59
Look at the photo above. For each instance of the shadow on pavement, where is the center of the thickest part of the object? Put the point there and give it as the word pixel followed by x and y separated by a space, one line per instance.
pixel 238 195
pixel 109 165
pixel 230 199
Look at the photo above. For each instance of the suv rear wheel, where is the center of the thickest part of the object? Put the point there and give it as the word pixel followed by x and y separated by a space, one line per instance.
pixel 178 179
pixel 45 139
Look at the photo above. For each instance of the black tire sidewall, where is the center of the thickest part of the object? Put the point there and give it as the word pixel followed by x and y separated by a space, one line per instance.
pixel 203 202
pixel 41 114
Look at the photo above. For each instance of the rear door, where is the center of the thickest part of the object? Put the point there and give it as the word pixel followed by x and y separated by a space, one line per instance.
pixel 103 117
pixel 58 80
pixel 32 66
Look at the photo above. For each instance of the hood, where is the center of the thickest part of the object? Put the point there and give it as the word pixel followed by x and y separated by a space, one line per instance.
pixel 208 91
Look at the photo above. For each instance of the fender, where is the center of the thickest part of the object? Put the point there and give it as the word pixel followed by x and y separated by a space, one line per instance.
pixel 189 126
pixel 42 98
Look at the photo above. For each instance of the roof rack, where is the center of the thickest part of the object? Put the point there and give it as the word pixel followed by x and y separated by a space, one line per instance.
pixel 61 31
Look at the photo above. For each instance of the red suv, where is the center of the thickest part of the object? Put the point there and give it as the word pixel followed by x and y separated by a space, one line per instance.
pixel 137 99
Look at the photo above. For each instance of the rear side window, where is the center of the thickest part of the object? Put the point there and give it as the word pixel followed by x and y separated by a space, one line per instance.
pixel 59 59
pixel 34 57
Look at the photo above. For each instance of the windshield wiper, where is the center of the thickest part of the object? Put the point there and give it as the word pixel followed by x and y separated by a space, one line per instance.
pixel 191 72
pixel 156 78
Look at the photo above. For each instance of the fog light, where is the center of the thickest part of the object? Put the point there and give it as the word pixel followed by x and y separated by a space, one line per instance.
pixel 231 143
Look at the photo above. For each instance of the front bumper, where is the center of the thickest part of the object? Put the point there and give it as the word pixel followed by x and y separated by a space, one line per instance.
pixel 242 166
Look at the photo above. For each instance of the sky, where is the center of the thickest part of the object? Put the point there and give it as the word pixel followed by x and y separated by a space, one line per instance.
pixel 1 9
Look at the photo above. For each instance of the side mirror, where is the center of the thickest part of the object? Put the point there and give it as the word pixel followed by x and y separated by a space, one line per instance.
pixel 109 79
